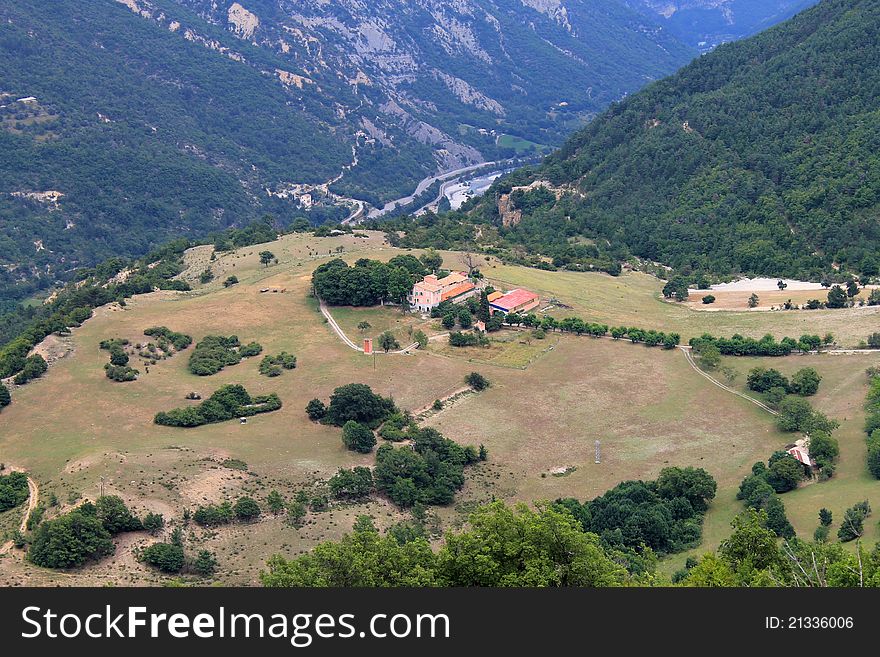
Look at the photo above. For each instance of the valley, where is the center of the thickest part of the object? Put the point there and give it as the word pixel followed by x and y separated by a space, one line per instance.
pixel 77 433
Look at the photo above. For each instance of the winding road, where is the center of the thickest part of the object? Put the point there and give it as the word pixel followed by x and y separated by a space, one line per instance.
pixel 348 341
pixel 424 184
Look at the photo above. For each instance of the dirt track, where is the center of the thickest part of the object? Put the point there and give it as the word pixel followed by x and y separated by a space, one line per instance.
pixel 33 498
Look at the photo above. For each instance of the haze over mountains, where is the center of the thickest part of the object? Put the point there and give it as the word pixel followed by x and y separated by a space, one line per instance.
pixel 705 24
pixel 128 122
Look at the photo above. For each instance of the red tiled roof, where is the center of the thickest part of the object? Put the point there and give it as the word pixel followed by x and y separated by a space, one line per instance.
pixel 514 299
pixel 455 291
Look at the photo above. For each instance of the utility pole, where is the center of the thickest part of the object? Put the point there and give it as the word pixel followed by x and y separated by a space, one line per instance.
pixel 598 452
pixel 102 485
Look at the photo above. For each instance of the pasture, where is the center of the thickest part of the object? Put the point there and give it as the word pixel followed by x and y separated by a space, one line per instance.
pixel 539 419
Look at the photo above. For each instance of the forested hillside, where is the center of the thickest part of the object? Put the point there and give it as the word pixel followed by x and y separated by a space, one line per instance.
pixel 144 135
pixel 124 123
pixel 760 157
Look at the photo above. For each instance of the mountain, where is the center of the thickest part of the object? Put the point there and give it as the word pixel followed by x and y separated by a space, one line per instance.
pixel 760 157
pixel 705 24
pixel 457 76
pixel 124 123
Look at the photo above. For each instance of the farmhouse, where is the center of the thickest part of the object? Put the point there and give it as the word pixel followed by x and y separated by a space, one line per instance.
pixel 431 291
pixel 515 301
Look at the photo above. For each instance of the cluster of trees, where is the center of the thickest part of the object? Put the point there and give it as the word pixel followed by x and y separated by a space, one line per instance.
pixel 353 402
pixel 165 336
pixel 805 382
pixel 171 558
pixel 872 422
pixel 355 484
pixel 13 490
pixel 548 546
pixel 502 546
pixel 761 489
pixel 427 473
pixel 244 509
pixel 5 397
pixel 34 367
pixel 118 368
pixel 430 472
pixel 83 534
pixel 853 524
pixel 272 366
pixel 230 401
pixel 214 352
pixel 259 231
pixel 664 515
pixel 470 339
pixel 739 345
pixel 797 414
pixel 368 282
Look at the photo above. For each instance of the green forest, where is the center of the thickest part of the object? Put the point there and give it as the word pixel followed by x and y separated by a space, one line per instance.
pixel 758 158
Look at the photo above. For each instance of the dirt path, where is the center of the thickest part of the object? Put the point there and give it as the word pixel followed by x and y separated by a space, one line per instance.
pixel 33 498
pixel 348 341
pixel 690 359
pixel 444 398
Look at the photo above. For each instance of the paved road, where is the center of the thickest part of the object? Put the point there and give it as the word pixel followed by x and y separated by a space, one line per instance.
pixel 423 185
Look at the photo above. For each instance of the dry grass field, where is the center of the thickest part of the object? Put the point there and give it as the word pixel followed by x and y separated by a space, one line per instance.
pixel 549 402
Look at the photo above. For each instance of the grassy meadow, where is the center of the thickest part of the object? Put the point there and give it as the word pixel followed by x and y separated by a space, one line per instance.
pixel 549 402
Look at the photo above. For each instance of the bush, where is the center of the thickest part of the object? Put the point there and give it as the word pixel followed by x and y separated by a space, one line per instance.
pixel 229 282
pixel 5 397
pixel 250 350
pixel 167 557
pixel 358 437
pixel 709 298
pixel 154 522
pixel 459 339
pixel 205 563
pixel 316 410
pixel 275 365
pixel 120 373
pixel 246 509
pixel 179 341
pixel 477 381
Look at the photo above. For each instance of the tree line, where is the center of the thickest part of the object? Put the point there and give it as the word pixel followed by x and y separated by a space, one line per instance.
pixel 503 546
